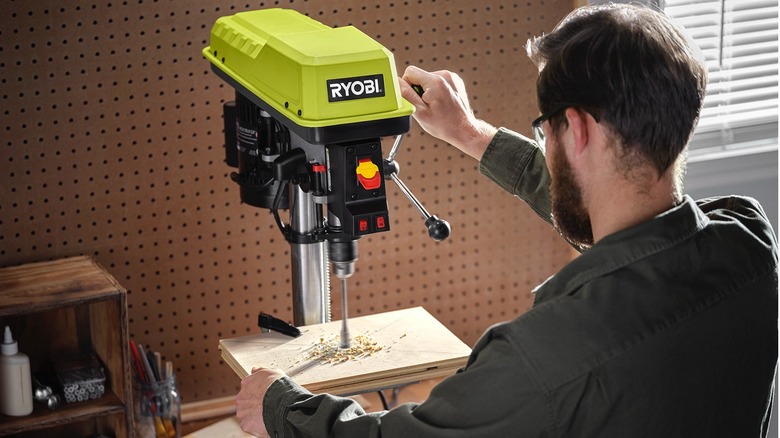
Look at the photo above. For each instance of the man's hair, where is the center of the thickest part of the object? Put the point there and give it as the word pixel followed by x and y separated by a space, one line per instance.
pixel 631 68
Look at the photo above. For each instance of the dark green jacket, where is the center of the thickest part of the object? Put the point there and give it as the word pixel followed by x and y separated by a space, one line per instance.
pixel 666 329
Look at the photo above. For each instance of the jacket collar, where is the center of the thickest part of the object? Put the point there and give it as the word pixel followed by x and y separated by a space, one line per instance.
pixel 626 247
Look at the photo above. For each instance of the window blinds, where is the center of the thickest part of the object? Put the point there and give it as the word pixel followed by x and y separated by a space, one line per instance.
pixel 739 40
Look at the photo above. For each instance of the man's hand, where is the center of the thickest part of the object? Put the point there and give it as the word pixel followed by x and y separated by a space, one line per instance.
pixel 249 402
pixel 444 111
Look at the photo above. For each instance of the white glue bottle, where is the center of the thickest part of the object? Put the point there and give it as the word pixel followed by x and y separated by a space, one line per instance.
pixel 16 395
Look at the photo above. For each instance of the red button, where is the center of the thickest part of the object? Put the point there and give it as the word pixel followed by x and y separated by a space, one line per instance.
pixel 380 222
pixel 362 225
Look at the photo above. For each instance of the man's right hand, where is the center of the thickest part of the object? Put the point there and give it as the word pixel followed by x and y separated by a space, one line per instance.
pixel 443 110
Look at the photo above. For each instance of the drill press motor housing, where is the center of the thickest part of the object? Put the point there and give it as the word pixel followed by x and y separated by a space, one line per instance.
pixel 312 103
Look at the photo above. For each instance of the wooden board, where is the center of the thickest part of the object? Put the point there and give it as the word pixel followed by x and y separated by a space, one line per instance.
pixel 415 346
pixel 227 428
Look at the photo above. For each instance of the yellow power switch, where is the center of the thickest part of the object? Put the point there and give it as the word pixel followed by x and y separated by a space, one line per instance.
pixel 368 174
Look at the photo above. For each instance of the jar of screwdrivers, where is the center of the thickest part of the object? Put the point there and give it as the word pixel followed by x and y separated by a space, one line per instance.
pixel 157 406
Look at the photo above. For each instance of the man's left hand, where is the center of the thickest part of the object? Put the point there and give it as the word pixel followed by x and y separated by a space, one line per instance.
pixel 249 402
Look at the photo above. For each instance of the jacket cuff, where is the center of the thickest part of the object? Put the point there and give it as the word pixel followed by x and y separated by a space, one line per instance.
pixel 282 394
pixel 505 158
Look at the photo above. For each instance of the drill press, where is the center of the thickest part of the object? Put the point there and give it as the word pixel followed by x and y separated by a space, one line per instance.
pixel 312 103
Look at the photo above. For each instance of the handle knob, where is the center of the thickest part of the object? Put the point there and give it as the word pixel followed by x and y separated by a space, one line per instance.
pixel 438 229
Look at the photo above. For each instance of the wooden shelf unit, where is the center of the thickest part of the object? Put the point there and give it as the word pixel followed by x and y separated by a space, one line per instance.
pixel 60 309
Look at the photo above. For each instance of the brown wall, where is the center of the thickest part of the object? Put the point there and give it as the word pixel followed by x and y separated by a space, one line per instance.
pixel 112 146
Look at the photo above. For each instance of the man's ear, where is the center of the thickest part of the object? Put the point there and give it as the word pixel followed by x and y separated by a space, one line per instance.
pixel 578 123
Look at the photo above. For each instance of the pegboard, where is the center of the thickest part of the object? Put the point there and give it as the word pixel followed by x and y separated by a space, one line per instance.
pixel 112 146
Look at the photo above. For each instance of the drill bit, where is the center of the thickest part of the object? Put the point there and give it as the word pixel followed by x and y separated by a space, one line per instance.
pixel 344 329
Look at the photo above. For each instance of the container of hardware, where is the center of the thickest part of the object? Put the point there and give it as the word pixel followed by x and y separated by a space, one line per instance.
pixel 81 379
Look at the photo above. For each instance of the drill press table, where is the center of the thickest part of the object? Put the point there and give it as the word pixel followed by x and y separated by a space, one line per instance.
pixel 415 346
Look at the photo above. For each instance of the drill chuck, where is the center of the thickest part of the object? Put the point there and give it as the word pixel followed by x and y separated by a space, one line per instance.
pixel 343 270
pixel 343 255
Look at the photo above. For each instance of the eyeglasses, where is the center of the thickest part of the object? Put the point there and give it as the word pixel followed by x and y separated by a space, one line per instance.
pixel 536 125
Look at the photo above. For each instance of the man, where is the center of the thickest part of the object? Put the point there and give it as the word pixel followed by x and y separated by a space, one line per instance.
pixel 665 327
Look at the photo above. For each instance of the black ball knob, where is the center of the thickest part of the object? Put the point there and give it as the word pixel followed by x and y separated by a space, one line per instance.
pixel 438 229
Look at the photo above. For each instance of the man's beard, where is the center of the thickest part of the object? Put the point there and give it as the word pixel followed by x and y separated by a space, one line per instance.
pixel 569 215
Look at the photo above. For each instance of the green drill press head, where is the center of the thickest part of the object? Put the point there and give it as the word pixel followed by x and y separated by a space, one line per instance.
pixel 325 84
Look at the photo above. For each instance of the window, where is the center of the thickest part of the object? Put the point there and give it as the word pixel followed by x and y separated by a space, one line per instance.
pixel 739 39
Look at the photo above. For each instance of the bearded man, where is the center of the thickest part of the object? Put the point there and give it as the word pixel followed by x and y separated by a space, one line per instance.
pixel 665 326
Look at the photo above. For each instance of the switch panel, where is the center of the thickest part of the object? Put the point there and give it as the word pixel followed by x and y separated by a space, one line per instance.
pixel 357 187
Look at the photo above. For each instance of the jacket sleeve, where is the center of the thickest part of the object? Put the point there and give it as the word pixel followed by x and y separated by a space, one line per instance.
pixel 493 396
pixel 518 166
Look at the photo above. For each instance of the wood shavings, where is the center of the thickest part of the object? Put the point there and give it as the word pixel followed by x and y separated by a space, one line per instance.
pixel 329 352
